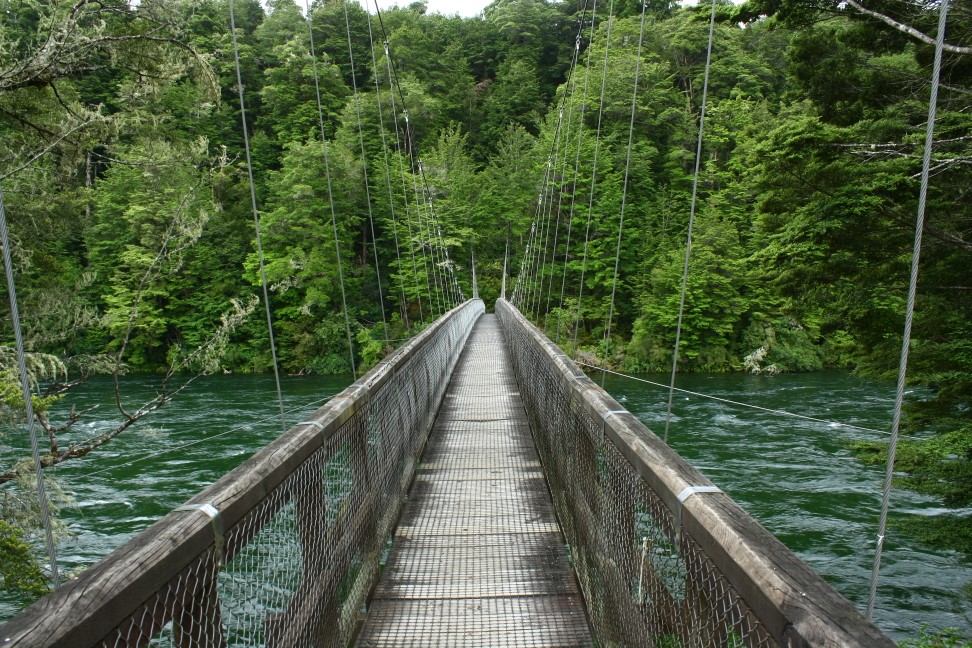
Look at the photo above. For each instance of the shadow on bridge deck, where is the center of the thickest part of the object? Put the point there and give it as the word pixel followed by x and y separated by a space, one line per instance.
pixel 478 557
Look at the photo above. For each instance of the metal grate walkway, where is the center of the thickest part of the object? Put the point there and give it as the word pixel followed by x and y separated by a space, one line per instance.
pixel 478 558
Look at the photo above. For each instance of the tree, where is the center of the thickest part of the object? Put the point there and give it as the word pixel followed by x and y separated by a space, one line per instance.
pixel 838 200
pixel 91 86
pixel 714 303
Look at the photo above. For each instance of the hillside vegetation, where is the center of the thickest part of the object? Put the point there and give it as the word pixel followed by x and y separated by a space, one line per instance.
pixel 125 183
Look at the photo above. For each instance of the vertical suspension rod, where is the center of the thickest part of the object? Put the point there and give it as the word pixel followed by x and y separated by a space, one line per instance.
pixel 42 498
pixel 910 307
pixel 256 215
pixel 688 241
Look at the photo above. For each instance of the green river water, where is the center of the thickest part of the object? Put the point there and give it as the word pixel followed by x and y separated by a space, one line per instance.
pixel 797 478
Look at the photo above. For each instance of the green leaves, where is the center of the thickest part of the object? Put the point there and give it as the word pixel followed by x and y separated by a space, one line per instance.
pixel 714 303
pixel 19 571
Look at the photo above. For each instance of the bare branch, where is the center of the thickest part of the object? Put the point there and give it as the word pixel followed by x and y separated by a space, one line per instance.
pixel 205 356
pixel 907 29
pixel 51 145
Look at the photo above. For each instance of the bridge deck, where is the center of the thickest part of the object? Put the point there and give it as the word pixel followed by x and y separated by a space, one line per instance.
pixel 478 558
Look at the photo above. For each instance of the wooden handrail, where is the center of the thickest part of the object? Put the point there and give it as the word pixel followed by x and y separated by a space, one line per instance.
pixel 104 598
pixel 790 600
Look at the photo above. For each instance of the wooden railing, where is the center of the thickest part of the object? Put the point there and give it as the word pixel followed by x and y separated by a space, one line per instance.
pixel 282 551
pixel 664 558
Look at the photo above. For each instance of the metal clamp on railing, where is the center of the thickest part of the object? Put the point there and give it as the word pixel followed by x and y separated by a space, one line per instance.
pixel 686 493
pixel 608 415
pixel 217 521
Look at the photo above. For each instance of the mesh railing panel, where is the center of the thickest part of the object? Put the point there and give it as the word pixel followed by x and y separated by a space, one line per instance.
pixel 284 550
pixel 663 559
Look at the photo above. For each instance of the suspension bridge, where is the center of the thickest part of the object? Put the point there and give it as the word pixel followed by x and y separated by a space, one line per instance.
pixel 475 488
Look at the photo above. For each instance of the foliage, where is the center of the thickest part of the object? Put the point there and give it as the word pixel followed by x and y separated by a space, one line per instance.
pixel 948 638
pixel 18 571
pixel 131 215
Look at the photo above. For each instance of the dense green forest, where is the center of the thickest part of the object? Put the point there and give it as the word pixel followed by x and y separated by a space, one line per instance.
pixel 125 182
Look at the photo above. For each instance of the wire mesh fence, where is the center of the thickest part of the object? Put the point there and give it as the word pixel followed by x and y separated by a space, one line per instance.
pixel 284 550
pixel 663 557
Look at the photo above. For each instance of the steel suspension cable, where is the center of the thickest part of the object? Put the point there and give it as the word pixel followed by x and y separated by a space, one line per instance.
pixel 627 177
pixel 435 235
pixel 688 241
pixel 256 214
pixel 388 183
pixel 401 164
pixel 446 263
pixel 414 235
pixel 421 201
pixel 597 147
pixel 514 298
pixel 561 134
pixel 330 195
pixel 545 209
pixel 364 168
pixel 548 213
pixel 506 258
pixel 539 219
pixel 580 139
pixel 416 163
pixel 455 290
pixel 405 199
pixel 569 101
pixel 551 223
pixel 516 285
pixel 550 169
pixel 395 83
pixel 520 292
pixel 910 307
pixel 546 222
pixel 43 500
